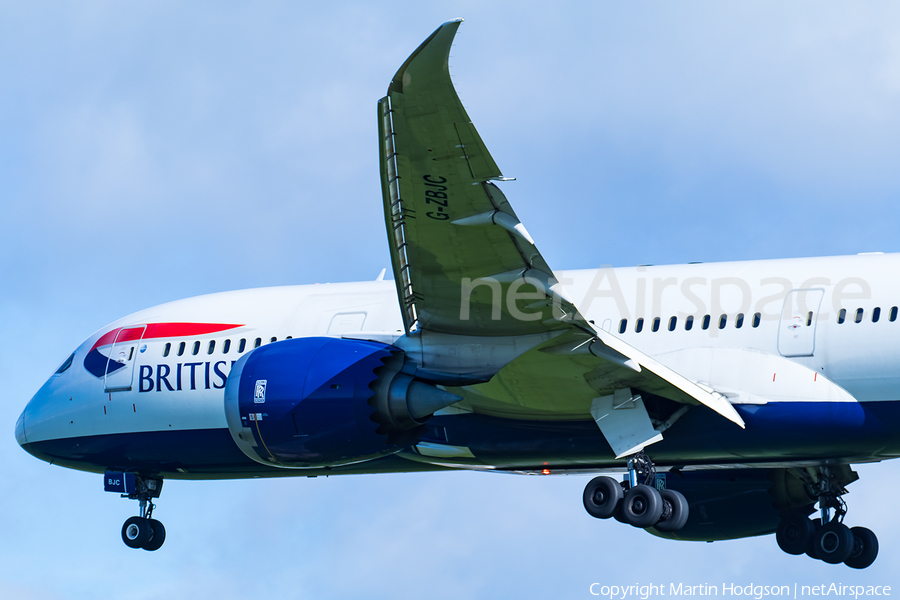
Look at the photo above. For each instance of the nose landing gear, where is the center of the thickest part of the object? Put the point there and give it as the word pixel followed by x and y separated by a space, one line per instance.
pixel 142 531
pixel 827 538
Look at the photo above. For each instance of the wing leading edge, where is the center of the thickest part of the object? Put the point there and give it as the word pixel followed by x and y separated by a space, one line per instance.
pixel 480 304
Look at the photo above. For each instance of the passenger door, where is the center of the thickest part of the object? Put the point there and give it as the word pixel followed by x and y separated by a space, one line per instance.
pixel 797 327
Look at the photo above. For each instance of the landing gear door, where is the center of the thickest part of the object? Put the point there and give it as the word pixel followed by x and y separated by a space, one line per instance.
pixel 797 328
pixel 122 355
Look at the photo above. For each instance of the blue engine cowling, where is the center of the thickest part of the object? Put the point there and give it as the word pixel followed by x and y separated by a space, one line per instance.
pixel 316 402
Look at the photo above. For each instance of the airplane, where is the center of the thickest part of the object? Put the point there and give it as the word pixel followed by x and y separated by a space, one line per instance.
pixel 733 399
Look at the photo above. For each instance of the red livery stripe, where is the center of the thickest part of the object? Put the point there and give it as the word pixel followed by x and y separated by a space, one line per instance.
pixel 162 330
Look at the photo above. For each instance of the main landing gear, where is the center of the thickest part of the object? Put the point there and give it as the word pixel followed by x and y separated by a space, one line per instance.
pixel 827 538
pixel 638 504
pixel 144 531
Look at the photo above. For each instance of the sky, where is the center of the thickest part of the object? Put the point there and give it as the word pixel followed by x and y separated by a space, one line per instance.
pixel 155 151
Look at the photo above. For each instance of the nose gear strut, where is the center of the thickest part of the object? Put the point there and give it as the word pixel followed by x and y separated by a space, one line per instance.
pixel 142 531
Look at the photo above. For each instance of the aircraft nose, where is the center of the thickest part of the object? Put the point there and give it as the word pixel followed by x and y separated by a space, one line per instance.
pixel 20 430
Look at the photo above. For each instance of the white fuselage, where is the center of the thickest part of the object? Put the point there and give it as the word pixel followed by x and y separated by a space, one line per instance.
pixel 786 308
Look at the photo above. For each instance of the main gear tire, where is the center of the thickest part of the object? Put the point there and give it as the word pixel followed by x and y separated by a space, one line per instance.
pixel 834 543
pixel 678 511
pixel 642 506
pixel 865 548
pixel 602 497
pixel 794 533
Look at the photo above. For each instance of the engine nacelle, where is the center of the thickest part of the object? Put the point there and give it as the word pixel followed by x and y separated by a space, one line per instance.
pixel 735 503
pixel 317 402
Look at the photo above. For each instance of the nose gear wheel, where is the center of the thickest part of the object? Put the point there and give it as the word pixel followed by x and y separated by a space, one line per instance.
pixel 143 531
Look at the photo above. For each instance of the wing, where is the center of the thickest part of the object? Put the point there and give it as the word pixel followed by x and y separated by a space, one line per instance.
pixel 453 234
pixel 480 303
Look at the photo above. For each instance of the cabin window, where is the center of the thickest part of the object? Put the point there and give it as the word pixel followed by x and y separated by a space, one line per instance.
pixel 689 322
pixel 893 314
pixel 756 319
pixel 842 316
pixel 196 349
pixel 876 314
pixel 274 339
pixel 705 322
pixel 859 315
pixel 672 322
pixel 212 347
pixel 723 320
pixel 226 346
pixel 655 324
pixel 180 348
pixel 167 349
pixel 257 342
pixel 622 325
pixel 290 337
pixel 809 319
pixel 638 325
pixel 739 321
pixel 242 345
